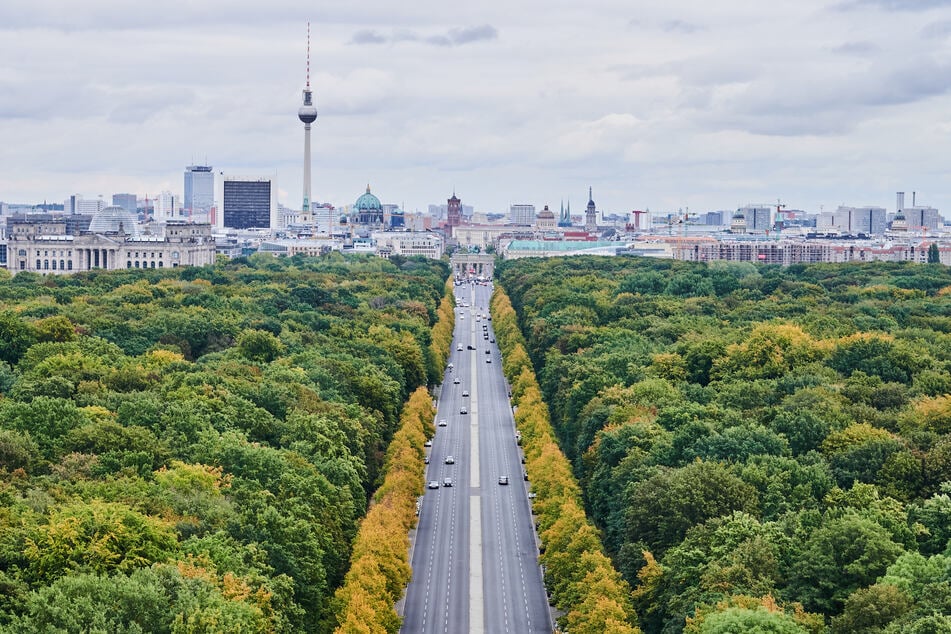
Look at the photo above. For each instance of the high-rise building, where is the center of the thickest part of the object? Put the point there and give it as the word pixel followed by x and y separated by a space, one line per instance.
pixel 522 214
pixel 307 114
pixel 249 203
pixel 88 206
pixel 919 218
pixel 166 206
pixel 126 201
pixel 199 192
pixel 758 217
pixel 855 220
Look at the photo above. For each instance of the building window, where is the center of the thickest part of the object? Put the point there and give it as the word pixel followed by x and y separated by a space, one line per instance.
pixel 61 267
pixel 160 265
pixel 46 265
pixel 153 265
pixel 69 265
pixel 69 254
pixel 37 265
pixel 136 264
pixel 54 265
pixel 22 265
pixel 22 253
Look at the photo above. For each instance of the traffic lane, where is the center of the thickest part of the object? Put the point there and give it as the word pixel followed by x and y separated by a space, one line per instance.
pixel 519 557
pixel 438 592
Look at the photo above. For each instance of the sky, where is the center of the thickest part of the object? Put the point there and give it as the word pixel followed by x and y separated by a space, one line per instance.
pixel 684 104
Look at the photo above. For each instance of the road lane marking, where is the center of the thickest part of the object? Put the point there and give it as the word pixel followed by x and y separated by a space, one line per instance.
pixel 476 616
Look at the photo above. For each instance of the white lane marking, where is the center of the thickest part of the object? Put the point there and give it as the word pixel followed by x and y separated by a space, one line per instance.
pixel 474 422
pixel 476 616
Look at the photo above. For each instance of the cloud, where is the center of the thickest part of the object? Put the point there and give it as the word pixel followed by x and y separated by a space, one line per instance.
pixel 937 30
pixel 368 37
pixel 858 49
pixel 679 26
pixel 896 5
pixel 473 34
pixel 453 37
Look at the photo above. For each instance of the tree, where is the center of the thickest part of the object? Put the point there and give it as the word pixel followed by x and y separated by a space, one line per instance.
pixel 842 555
pixel 934 256
pixel 662 508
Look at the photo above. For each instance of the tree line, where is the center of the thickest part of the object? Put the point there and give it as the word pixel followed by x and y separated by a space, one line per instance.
pixel 580 578
pixel 764 448
pixel 379 565
pixel 193 449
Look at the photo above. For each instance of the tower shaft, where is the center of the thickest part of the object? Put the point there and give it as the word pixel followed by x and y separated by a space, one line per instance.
pixel 306 206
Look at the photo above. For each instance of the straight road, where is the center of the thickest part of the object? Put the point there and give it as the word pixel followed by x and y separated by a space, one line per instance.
pixel 475 565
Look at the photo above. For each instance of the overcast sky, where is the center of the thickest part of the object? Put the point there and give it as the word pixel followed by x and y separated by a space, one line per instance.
pixel 660 105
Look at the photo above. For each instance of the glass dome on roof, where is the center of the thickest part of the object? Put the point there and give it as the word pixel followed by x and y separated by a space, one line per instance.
pixel 114 219
pixel 368 202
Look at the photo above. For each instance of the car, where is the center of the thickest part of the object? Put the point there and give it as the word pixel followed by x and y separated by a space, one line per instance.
pixel 463 410
pixel 471 347
pixel 492 340
pixel 459 348
pixel 450 366
pixel 442 422
pixel 489 317
pixel 433 484
pixel 450 460
pixel 447 482
pixel 426 460
pixel 455 381
pixel 428 443
pixel 465 393
pixel 487 351
pixel 488 360
pixel 502 480
pixel 525 474
pixel 532 496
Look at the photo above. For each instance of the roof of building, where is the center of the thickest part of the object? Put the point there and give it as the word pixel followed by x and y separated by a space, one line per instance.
pixel 114 219
pixel 368 202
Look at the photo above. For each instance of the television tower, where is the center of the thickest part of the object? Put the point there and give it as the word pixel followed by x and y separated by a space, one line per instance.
pixel 308 114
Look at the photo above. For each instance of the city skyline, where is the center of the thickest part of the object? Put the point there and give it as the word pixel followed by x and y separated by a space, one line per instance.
pixel 820 104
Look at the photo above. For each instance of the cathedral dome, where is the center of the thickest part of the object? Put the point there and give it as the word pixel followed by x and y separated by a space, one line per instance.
pixel 368 202
pixel 546 214
pixel 114 219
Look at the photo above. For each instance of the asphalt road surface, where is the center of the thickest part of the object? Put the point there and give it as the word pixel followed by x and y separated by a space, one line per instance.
pixel 475 559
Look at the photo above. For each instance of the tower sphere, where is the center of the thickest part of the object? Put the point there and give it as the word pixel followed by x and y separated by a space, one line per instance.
pixel 307 113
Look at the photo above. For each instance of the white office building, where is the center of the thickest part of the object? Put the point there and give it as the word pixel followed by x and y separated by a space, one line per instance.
pixel 522 215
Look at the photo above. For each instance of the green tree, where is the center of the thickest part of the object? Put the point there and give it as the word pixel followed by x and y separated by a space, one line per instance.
pixel 934 256
pixel 842 555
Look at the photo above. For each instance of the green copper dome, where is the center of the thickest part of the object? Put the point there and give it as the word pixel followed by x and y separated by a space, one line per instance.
pixel 368 202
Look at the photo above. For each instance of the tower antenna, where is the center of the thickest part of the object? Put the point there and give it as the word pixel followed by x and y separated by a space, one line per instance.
pixel 308 55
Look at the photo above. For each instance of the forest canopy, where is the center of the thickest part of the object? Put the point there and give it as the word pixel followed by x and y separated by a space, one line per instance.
pixel 762 447
pixel 192 449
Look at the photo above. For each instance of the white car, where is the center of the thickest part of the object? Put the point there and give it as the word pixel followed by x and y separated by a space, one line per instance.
pixel 450 460
pixel 456 381
pixel 428 443
pixel 459 348
pixel 442 422
pixel 433 484
pixel 489 360
pixel 465 392
pixel 463 410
